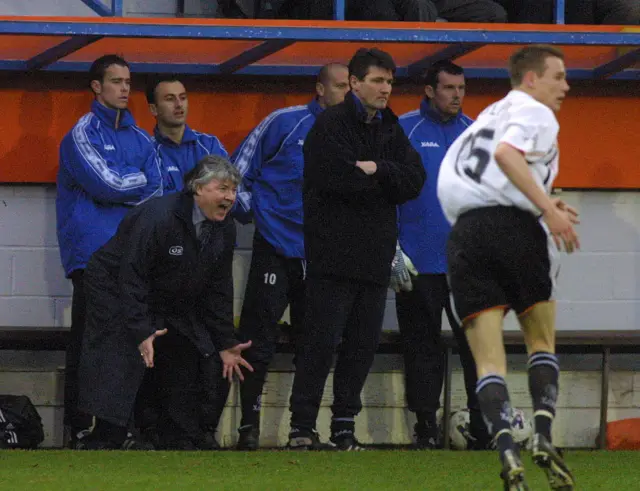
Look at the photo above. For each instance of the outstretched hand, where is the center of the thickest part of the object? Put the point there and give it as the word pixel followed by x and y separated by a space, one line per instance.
pixel 232 359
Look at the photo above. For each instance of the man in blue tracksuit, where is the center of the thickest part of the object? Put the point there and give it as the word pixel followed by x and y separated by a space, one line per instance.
pixel 106 167
pixel 271 162
pixel 423 234
pixel 178 147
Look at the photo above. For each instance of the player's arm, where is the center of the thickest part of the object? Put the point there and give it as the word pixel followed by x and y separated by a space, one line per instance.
pixel 258 146
pixel 560 221
pixel 102 176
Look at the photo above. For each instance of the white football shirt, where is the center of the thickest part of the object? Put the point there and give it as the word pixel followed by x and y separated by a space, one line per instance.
pixel 469 175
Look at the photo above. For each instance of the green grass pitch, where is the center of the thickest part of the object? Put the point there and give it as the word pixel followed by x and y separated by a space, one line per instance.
pixel 50 470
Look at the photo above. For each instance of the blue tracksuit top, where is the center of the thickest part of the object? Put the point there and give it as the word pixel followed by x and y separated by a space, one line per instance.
pixel 177 159
pixel 103 172
pixel 271 162
pixel 423 229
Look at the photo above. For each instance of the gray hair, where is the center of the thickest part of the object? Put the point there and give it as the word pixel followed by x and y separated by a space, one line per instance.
pixel 209 168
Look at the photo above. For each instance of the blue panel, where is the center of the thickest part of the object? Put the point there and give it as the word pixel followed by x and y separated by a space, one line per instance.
pixel 339 9
pixel 617 65
pixel 289 70
pixel 320 34
pixel 59 51
pixel 252 55
pixel 98 7
pixel 116 8
pixel 559 11
pixel 449 53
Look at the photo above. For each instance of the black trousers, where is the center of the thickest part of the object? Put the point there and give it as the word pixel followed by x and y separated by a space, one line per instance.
pixel 186 387
pixel 338 312
pixel 420 322
pixel 471 10
pixel 274 282
pixel 73 418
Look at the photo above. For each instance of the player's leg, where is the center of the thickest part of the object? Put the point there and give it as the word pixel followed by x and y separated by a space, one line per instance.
pixel 538 324
pixel 477 427
pixel 297 295
pixel 419 315
pixel 327 307
pixel 479 301
pixel 265 301
pixel 361 336
pixel 530 286
pixel 76 423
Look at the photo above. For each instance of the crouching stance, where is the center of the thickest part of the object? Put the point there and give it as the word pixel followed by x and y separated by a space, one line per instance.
pixel 159 296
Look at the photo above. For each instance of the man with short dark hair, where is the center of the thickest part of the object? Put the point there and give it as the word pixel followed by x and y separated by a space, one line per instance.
pixel 423 233
pixel 106 167
pixel 160 295
pixel 358 166
pixel 494 187
pixel 179 148
pixel 271 162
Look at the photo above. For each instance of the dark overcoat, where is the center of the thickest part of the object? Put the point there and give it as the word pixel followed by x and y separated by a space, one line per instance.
pixel 152 275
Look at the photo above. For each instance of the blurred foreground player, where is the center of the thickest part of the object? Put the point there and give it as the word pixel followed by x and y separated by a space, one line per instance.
pixel 494 187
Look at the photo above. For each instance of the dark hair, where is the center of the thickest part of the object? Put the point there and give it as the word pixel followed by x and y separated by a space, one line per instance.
pixel 99 67
pixel 365 58
pixel 152 85
pixel 531 58
pixel 323 74
pixel 208 168
pixel 431 76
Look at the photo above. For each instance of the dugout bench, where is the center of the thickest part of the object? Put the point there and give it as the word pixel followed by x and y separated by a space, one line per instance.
pixel 604 343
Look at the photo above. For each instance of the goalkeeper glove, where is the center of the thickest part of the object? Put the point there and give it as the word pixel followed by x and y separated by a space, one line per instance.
pixel 401 270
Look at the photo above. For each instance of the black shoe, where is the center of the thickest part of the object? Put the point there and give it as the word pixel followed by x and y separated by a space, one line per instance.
pixel 303 439
pixel 76 437
pixel 208 442
pixel 480 444
pixel 425 437
pixel 88 443
pixel 345 441
pixel 513 472
pixel 249 438
pixel 550 460
pixel 136 444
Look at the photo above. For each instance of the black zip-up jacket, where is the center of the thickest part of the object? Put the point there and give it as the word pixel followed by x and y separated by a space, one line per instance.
pixel 350 218
pixel 158 278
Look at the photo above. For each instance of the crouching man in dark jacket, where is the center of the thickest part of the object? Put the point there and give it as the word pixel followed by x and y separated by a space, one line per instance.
pixel 160 296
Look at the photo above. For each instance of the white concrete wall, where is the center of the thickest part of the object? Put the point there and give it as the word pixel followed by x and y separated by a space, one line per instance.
pixel 599 286
pixel 384 419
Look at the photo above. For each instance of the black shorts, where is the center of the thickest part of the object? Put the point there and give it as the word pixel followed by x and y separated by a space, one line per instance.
pixel 499 257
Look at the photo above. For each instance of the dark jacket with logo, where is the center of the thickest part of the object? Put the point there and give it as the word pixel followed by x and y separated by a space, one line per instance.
pixel 350 225
pixel 148 277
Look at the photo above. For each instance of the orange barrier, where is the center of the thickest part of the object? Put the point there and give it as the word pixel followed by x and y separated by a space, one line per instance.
pixel 599 137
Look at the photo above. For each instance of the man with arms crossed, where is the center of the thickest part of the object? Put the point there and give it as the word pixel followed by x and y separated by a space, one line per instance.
pixel 494 187
pixel 358 166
